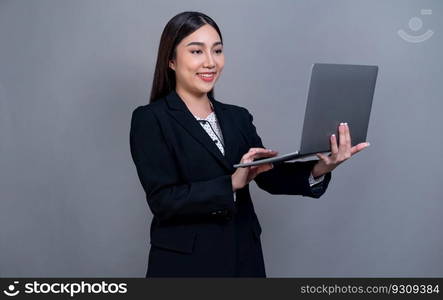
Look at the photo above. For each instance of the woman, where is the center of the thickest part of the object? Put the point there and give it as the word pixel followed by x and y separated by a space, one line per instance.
pixel 184 145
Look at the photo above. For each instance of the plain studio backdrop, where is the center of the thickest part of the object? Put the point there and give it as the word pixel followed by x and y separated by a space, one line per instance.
pixel 72 72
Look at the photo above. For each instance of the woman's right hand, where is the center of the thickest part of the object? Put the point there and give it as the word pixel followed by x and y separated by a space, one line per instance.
pixel 243 175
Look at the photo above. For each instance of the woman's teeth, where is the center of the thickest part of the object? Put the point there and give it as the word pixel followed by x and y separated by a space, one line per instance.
pixel 206 77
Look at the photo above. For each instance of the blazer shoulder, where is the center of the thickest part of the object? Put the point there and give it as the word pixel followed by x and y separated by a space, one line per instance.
pixel 142 113
pixel 148 110
pixel 143 117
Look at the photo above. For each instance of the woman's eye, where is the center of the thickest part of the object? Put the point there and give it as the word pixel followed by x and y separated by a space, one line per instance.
pixel 199 51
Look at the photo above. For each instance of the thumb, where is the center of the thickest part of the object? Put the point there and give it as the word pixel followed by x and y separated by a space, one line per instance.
pixel 321 156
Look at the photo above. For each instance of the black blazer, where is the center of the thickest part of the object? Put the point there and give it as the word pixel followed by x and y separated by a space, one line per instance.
pixel 197 229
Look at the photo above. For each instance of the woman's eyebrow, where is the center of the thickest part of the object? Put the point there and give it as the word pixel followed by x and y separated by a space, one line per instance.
pixel 202 44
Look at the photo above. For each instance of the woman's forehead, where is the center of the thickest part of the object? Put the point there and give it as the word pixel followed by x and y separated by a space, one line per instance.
pixel 204 36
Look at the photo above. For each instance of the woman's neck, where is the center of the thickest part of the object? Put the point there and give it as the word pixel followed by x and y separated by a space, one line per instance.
pixel 199 105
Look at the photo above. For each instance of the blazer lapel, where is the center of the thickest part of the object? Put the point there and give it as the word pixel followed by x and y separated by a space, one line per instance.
pixel 181 113
pixel 228 131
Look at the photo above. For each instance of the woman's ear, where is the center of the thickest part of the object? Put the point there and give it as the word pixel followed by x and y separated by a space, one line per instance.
pixel 172 65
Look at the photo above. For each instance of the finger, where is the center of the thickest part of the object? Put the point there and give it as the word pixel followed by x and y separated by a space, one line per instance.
pixel 256 149
pixel 246 158
pixel 264 168
pixel 264 150
pixel 322 157
pixel 357 148
pixel 334 147
pixel 263 155
pixel 259 150
pixel 250 153
pixel 348 136
pixel 342 137
pixel 257 153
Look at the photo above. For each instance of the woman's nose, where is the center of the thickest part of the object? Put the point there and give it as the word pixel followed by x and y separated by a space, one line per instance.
pixel 209 62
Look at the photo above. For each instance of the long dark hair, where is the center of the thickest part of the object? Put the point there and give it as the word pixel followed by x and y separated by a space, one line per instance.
pixel 175 30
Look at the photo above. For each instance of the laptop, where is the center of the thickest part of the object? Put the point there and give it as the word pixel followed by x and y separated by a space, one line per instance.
pixel 337 93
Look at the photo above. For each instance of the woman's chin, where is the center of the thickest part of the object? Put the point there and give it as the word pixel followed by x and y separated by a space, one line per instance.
pixel 204 89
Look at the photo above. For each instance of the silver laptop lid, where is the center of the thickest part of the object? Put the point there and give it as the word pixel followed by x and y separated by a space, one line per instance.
pixel 337 93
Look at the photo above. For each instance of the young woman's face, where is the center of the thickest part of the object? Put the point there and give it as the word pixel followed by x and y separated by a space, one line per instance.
pixel 199 60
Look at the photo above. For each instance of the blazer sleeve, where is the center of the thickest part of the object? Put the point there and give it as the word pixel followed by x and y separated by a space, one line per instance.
pixel 167 195
pixel 287 178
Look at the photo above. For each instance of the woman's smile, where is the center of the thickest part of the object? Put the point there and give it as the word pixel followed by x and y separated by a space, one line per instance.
pixel 206 76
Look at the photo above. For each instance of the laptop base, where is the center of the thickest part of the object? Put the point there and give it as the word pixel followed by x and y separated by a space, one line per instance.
pixel 277 159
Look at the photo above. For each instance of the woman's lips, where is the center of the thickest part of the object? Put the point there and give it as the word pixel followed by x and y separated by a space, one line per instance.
pixel 208 77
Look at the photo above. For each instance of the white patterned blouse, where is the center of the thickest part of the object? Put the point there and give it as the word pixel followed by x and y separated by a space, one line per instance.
pixel 213 129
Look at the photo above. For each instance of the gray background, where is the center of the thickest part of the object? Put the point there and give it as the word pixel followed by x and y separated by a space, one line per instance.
pixel 71 73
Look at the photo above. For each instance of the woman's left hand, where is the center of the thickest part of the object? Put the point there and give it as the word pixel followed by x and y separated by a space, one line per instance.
pixel 338 153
